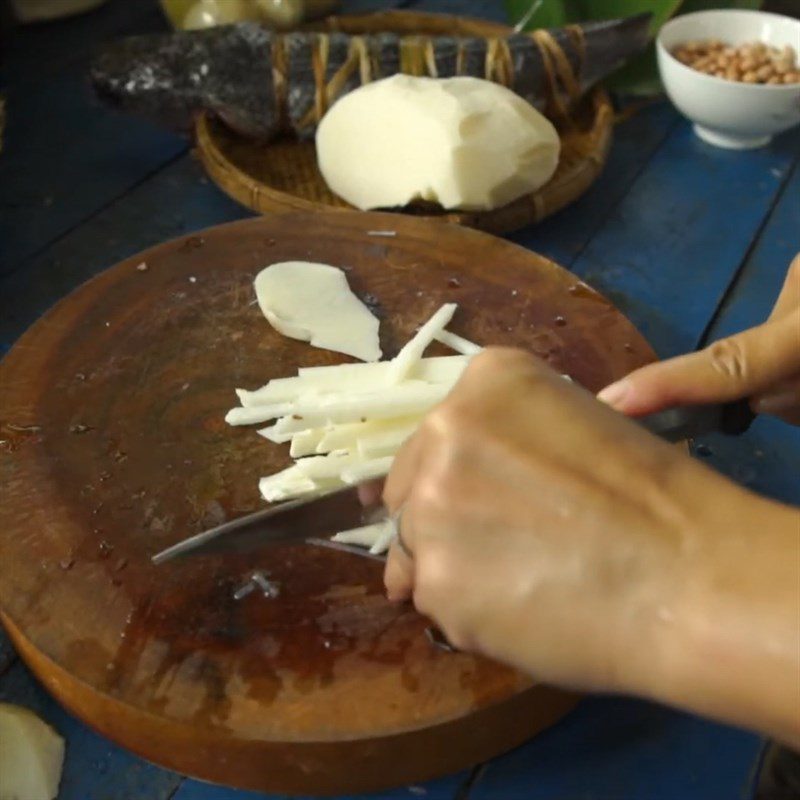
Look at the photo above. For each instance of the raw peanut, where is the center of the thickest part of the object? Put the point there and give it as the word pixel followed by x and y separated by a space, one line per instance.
pixel 782 67
pixel 723 62
pixel 789 53
pixel 760 48
pixel 719 73
pixel 747 64
pixel 750 77
pixel 764 73
pixel 791 77
pixel 729 52
pixel 733 74
pixel 775 80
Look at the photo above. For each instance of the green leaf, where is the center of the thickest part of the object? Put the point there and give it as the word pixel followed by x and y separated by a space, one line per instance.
pixel 549 13
pixel 640 76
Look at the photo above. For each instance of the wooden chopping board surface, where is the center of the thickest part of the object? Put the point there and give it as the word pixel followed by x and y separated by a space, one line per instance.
pixel 113 446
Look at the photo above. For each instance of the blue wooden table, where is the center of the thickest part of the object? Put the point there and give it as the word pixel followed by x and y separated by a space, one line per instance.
pixel 691 242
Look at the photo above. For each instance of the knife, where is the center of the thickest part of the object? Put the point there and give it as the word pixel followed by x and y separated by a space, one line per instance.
pixel 314 520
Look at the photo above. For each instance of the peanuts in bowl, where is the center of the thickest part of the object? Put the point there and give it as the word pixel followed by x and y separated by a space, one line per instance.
pixel 752 62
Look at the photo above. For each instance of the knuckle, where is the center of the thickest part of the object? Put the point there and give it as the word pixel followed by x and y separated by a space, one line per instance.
pixel 493 360
pixel 728 358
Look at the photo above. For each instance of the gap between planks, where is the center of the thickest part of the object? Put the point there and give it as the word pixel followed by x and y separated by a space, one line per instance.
pixel 634 178
pixel 40 251
pixel 705 334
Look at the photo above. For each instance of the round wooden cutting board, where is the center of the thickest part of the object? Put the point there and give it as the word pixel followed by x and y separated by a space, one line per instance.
pixel 113 446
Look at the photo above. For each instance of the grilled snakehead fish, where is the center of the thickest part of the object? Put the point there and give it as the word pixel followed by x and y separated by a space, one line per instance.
pixel 263 84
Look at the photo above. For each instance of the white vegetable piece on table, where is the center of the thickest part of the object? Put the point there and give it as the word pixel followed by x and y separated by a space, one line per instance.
pixel 314 303
pixel 461 142
pixel 31 756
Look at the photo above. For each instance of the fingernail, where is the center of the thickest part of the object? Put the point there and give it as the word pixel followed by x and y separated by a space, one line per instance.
pixel 776 403
pixel 614 394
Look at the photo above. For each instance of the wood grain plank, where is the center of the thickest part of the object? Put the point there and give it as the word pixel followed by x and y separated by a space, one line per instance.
pixel 672 247
pixel 94 769
pixel 178 200
pixel 617 748
pixel 65 155
pixel 767 458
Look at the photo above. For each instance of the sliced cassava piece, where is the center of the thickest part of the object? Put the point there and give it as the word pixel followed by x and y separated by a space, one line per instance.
pixel 314 303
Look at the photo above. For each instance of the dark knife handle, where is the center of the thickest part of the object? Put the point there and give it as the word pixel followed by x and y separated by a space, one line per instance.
pixel 736 417
pixel 687 422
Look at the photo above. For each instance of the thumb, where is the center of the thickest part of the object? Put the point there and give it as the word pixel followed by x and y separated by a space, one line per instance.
pixel 731 369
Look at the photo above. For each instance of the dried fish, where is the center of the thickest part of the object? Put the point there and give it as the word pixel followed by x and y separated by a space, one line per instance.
pixel 264 84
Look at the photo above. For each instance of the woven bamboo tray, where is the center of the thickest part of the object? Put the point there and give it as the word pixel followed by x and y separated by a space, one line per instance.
pixel 283 175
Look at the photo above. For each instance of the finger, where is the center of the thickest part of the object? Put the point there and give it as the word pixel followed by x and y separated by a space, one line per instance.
pixel 401 477
pixel 730 369
pixel 789 298
pixel 782 401
pixel 398 577
pixel 369 494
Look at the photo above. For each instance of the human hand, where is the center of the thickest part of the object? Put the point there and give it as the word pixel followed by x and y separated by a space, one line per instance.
pixel 762 364
pixel 547 531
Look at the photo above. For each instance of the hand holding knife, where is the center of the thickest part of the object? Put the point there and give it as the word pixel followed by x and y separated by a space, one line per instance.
pixel 314 520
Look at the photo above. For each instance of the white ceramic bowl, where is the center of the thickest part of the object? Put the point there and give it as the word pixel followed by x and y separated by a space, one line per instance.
pixel 726 113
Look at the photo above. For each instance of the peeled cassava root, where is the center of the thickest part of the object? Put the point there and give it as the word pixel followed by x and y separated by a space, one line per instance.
pixel 463 143
pixel 31 756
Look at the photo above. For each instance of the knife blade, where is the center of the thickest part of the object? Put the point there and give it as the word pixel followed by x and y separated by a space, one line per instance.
pixel 292 521
pixel 317 518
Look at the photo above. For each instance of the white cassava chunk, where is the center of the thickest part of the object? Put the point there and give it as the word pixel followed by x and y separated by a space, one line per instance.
pixel 462 142
pixel 356 377
pixel 314 303
pixel 385 442
pixel 458 343
pixel 411 354
pixel 407 398
pixel 326 467
pixel 361 471
pixel 305 443
pixel 31 756
pixel 377 537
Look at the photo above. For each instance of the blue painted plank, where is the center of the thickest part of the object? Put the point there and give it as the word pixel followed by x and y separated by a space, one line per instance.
pixel 767 458
pixel 564 236
pixel 444 789
pixel 178 200
pixel 617 749
pixel 94 769
pixel 65 156
pixel 672 247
